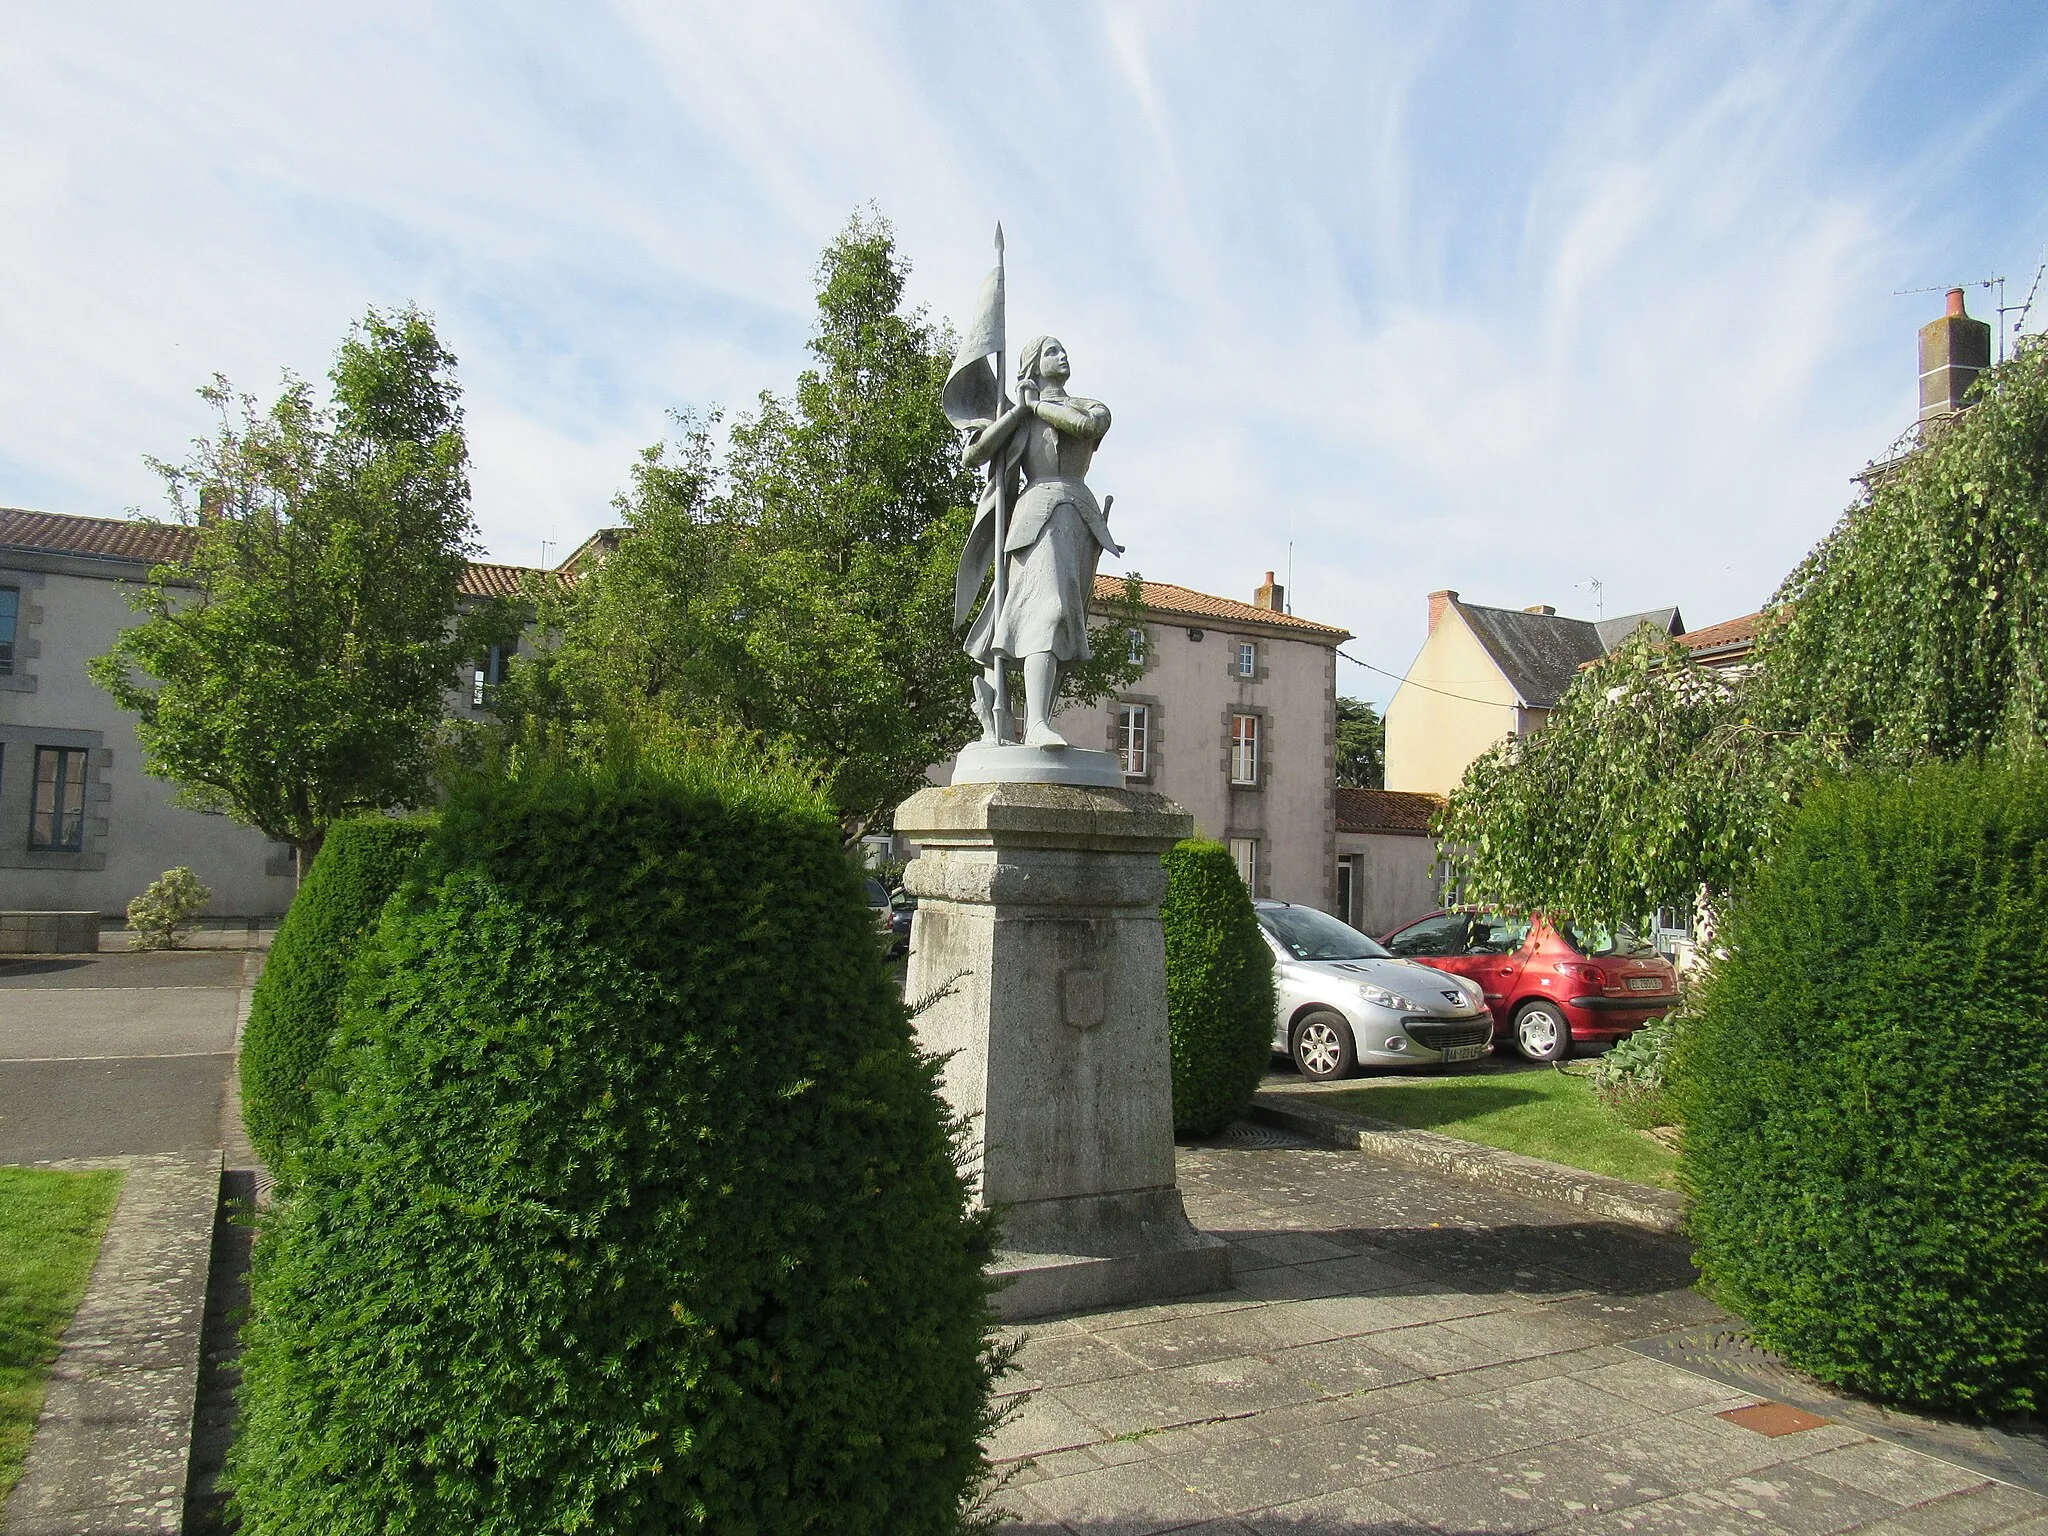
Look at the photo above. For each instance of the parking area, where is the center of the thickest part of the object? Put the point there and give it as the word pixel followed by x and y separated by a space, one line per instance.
pixel 116 1054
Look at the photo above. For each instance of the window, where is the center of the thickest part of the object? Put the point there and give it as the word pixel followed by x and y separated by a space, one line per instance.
pixel 57 811
pixel 489 673
pixel 1133 738
pixel 1245 850
pixel 1347 888
pixel 1247 658
pixel 1493 934
pixel 1444 935
pixel 1244 749
pixel 1136 637
pixel 10 616
pixel 1311 935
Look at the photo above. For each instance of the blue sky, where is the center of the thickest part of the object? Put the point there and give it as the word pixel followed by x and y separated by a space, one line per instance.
pixel 1504 298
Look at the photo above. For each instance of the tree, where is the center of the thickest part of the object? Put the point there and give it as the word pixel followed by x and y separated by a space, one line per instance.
pixel 1912 632
pixel 291 667
pixel 798 584
pixel 1361 745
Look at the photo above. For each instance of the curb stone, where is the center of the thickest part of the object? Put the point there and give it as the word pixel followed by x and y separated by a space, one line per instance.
pixel 1637 1205
pixel 111 1444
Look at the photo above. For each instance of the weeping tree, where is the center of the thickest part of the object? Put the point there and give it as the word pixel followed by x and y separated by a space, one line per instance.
pixel 1914 631
pixel 795 582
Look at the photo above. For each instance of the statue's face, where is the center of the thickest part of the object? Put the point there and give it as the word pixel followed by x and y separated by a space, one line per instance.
pixel 1052 364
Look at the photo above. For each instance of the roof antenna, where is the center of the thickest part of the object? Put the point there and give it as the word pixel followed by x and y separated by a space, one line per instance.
pixel 2003 308
pixel 544 543
pixel 2032 288
pixel 1598 589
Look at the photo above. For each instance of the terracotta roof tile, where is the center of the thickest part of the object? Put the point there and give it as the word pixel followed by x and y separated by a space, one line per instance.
pixel 1727 635
pixel 109 538
pixel 106 537
pixel 1385 810
pixel 1164 597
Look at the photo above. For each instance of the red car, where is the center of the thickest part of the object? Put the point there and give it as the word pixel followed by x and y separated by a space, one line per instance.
pixel 1550 986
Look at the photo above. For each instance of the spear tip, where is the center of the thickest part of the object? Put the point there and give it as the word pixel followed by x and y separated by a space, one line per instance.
pixel 999 234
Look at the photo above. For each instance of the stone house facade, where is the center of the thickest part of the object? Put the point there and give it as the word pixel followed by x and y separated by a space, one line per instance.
pixel 82 826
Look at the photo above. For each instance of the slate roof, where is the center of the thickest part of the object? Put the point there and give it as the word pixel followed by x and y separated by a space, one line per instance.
pixel 1386 810
pixel 1163 597
pixel 1540 653
pixel 110 538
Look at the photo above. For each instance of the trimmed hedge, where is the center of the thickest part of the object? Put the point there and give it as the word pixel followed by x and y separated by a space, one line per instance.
pixel 1866 1128
pixel 638 1210
pixel 297 1002
pixel 1219 988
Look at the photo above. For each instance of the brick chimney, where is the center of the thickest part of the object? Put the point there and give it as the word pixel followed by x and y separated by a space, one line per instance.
pixel 1438 602
pixel 1953 351
pixel 1272 596
pixel 209 503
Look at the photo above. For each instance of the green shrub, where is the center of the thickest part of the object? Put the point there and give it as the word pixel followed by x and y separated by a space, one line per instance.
pixel 637 1209
pixel 297 1002
pixel 173 899
pixel 1633 1077
pixel 1866 1131
pixel 1219 988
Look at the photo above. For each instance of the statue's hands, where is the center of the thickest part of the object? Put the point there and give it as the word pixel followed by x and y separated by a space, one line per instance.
pixel 1027 392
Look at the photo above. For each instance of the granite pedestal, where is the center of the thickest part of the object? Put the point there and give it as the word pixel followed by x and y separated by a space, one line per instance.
pixel 1037 939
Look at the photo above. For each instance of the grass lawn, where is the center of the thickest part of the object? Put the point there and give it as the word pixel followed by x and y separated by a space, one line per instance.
pixel 50 1226
pixel 1537 1111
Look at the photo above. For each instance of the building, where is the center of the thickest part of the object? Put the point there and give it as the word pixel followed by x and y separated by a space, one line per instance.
pixel 1387 868
pixel 1485 674
pixel 1235 719
pixel 82 826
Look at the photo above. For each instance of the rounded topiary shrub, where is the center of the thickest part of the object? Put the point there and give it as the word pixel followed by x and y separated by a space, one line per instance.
pixel 637 1209
pixel 1219 988
pixel 297 1001
pixel 1866 1136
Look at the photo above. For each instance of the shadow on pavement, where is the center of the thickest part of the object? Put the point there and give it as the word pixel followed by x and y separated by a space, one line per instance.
pixel 42 966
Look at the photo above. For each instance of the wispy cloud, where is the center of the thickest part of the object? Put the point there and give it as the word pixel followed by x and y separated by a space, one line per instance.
pixel 1500 298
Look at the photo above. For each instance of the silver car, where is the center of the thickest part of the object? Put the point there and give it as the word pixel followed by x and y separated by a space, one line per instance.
pixel 1341 1001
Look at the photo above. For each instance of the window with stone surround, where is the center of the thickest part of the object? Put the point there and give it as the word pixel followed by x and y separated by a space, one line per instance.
pixel 10 621
pixel 57 805
pixel 1133 738
pixel 1245 851
pixel 1247 658
pixel 1244 749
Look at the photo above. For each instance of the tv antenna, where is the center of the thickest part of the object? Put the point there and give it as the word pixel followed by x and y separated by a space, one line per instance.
pixel 544 543
pixel 2032 288
pixel 1595 588
pixel 1997 284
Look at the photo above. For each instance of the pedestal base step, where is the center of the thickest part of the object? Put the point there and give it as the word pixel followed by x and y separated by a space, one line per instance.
pixel 1048 1284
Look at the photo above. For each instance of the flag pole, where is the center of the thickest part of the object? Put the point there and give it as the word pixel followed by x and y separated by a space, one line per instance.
pixel 1001 477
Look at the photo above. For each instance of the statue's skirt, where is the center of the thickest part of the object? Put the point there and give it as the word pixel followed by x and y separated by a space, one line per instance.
pixel 1045 606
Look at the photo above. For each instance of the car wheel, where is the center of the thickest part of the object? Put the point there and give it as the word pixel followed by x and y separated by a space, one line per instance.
pixel 1322 1046
pixel 1541 1033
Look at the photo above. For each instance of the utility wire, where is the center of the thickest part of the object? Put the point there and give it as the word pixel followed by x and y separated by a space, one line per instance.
pixel 1397 677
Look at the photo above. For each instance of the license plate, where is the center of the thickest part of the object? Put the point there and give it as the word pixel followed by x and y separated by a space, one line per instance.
pixel 1643 983
pixel 1464 1052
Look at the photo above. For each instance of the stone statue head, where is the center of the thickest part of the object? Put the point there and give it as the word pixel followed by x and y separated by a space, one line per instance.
pixel 1043 361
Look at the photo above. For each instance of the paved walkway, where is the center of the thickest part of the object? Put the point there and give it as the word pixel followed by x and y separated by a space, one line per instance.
pixel 1408 1353
pixel 126 1060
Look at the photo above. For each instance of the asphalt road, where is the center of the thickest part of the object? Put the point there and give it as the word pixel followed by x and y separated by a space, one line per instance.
pixel 114 1054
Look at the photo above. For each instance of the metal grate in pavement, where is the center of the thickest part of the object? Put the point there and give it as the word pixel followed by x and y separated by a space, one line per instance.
pixel 2015 1453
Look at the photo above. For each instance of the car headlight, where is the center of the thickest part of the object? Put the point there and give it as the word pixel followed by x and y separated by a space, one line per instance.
pixel 1380 997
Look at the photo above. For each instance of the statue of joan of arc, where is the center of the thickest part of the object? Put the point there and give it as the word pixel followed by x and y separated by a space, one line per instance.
pixel 1044 541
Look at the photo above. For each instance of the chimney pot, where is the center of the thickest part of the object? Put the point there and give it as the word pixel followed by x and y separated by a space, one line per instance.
pixel 1438 602
pixel 1955 302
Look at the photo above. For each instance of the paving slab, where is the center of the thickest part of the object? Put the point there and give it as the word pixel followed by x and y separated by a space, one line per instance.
pixel 112 1443
pixel 1417 1352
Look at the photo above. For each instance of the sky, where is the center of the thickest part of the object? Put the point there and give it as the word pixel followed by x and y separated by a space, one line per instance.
pixel 1593 305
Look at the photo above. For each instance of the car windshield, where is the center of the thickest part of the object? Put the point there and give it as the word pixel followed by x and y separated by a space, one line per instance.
pixel 1597 939
pixel 878 893
pixel 1308 934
